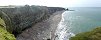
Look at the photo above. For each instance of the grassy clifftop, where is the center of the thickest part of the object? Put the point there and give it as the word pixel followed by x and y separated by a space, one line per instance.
pixel 91 35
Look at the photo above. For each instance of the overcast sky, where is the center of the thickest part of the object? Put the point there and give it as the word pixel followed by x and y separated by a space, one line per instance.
pixel 61 3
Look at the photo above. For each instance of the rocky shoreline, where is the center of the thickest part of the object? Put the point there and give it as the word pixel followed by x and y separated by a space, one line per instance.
pixel 43 30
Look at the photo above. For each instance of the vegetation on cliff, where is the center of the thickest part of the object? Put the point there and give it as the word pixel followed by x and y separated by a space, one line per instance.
pixel 4 35
pixel 91 35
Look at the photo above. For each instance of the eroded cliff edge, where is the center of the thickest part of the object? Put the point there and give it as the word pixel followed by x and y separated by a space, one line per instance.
pixel 36 22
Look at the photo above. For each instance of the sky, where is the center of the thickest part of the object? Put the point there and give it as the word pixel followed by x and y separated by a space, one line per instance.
pixel 59 3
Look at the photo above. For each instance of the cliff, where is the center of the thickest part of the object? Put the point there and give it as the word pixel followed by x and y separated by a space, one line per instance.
pixel 18 19
pixel 54 9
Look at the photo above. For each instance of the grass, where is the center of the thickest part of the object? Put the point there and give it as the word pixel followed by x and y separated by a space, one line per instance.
pixel 4 35
pixel 91 35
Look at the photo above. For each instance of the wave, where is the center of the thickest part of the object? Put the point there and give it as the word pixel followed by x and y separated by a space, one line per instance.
pixel 63 30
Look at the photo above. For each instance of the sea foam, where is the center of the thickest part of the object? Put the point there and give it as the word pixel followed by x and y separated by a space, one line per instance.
pixel 63 30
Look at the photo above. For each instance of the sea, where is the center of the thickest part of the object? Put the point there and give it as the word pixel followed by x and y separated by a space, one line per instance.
pixel 78 20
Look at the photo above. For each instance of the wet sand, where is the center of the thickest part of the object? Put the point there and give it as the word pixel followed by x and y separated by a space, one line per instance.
pixel 43 30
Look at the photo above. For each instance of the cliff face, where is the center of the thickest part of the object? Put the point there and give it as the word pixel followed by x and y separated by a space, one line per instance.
pixel 44 30
pixel 20 18
pixel 54 9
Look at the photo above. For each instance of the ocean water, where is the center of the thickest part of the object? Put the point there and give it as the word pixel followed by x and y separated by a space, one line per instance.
pixel 82 19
